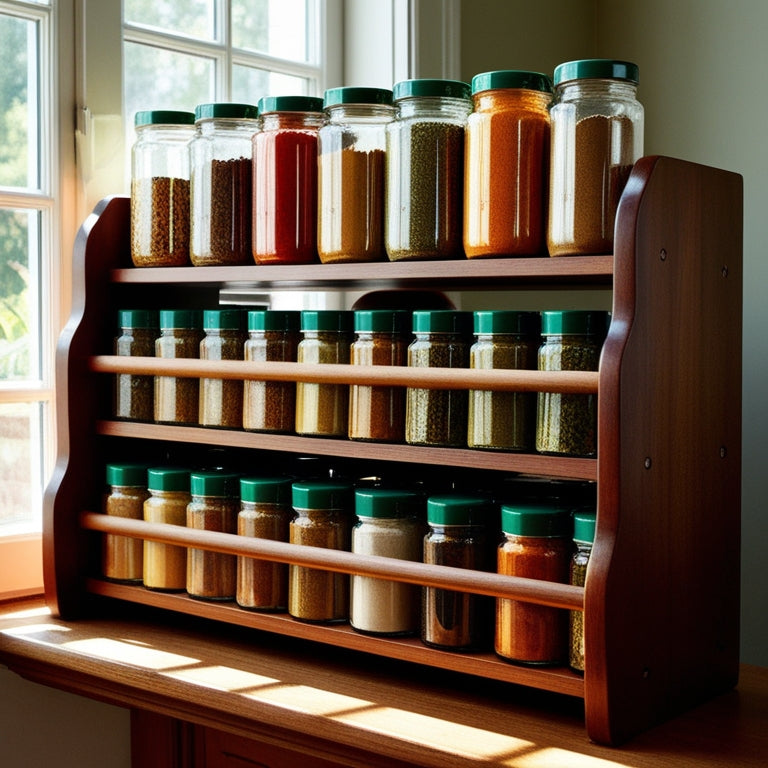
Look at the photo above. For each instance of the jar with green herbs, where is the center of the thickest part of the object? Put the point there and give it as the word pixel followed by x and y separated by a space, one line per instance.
pixel 265 513
pixel 566 423
pixel 438 417
pixel 270 406
pixel 134 393
pixel 584 522
pixel 503 420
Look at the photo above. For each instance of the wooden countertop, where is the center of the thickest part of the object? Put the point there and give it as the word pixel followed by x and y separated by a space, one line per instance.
pixel 350 706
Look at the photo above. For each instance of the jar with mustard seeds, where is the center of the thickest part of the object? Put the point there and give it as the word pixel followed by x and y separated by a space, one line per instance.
pixel 134 393
pixel 584 521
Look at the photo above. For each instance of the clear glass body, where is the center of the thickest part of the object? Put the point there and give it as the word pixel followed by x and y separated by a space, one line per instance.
pixel 221 191
pixel 160 214
pixel 177 398
pixel 165 565
pixel 351 147
pixel 285 189
pixel 425 179
pixel 597 136
pixel 506 177
pixel 221 400
pixel 578 576
pixel 134 394
pixel 122 556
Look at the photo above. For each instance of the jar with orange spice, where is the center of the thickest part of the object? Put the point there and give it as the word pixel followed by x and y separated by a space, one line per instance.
pixel 506 164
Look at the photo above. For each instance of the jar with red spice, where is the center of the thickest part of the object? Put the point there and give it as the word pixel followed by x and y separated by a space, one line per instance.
pixel 506 177
pixel 285 180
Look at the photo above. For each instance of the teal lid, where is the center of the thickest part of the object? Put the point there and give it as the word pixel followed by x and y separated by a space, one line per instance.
pixel 355 95
pixel 214 483
pixel 290 104
pixel 383 320
pixel 454 89
pixel 225 110
pixel 511 78
pixel 596 69
pixel 127 475
pixel 539 520
pixel 459 509
pixel 180 318
pixel 168 479
pixel 273 320
pixel 163 117
pixel 321 494
pixel 223 319
pixel 584 526
pixel 387 503
pixel 137 318
pixel 326 320
pixel 442 321
pixel 574 321
pixel 266 490
pixel 507 321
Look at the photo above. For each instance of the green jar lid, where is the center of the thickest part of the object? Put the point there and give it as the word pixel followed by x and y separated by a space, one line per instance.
pixel 321 494
pixel 290 104
pixel 134 475
pixel 273 320
pixel 574 321
pixel 223 319
pixel 539 520
pixel 163 117
pixel 266 490
pixel 508 321
pixel 335 96
pixel 180 318
pixel 459 509
pixel 511 78
pixel 442 321
pixel 596 69
pixel 214 483
pixel 226 110
pixel 584 526
pixel 387 503
pixel 452 89
pixel 383 320
pixel 168 479
pixel 326 320
pixel 137 318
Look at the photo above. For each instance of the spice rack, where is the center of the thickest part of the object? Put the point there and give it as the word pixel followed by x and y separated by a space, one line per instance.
pixel 661 599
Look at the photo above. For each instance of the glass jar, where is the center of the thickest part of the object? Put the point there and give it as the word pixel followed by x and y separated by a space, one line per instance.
pixel 265 513
pixel 122 557
pixel 438 416
pixel 134 393
pixel 387 525
pixel 177 397
pixel 566 423
pixel 270 406
pixel 597 136
pixel 222 175
pixel 351 147
pixel 285 180
pixel 381 338
pixel 160 216
pixel 584 522
pixel 506 168
pixel 536 545
pixel 458 537
pixel 323 409
pixel 214 505
pixel 165 565
pixel 497 419
pixel 221 400
pixel 323 513
pixel 425 170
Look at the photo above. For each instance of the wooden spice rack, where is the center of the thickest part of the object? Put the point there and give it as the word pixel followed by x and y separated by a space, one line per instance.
pixel 661 599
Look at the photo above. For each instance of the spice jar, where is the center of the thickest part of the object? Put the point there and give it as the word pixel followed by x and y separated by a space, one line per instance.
pixel 425 170
pixel 221 400
pixel 381 338
pixel 536 545
pixel 122 557
pixel 506 167
pixel 177 397
pixel 285 180
pixel 214 506
pixel 351 147
pixel 165 565
pixel 323 409
pixel 459 536
pixel 160 216
pixel 134 393
pixel 222 175
pixel 583 537
pixel 265 513
pixel 498 419
pixel 567 423
pixel 270 406
pixel 387 525
pixel 438 416
pixel 323 513
pixel 597 136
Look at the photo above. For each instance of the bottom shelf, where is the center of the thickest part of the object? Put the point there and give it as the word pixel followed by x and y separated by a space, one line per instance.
pixel 555 679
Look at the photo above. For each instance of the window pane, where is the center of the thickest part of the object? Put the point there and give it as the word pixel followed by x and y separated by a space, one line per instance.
pixel 19 165
pixel 192 18
pixel 274 27
pixel 250 84
pixel 19 305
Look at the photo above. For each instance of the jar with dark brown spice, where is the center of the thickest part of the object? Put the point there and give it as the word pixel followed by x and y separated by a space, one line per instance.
pixel 134 393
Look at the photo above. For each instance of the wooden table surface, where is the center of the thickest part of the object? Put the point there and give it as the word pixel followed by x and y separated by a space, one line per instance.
pixel 254 684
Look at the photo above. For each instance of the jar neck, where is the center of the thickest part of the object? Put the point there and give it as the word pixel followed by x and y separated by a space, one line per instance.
pixel 442 108
pixel 373 114
pixel 177 134
pixel 512 98
pixel 229 125
pixel 616 90
pixel 309 121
